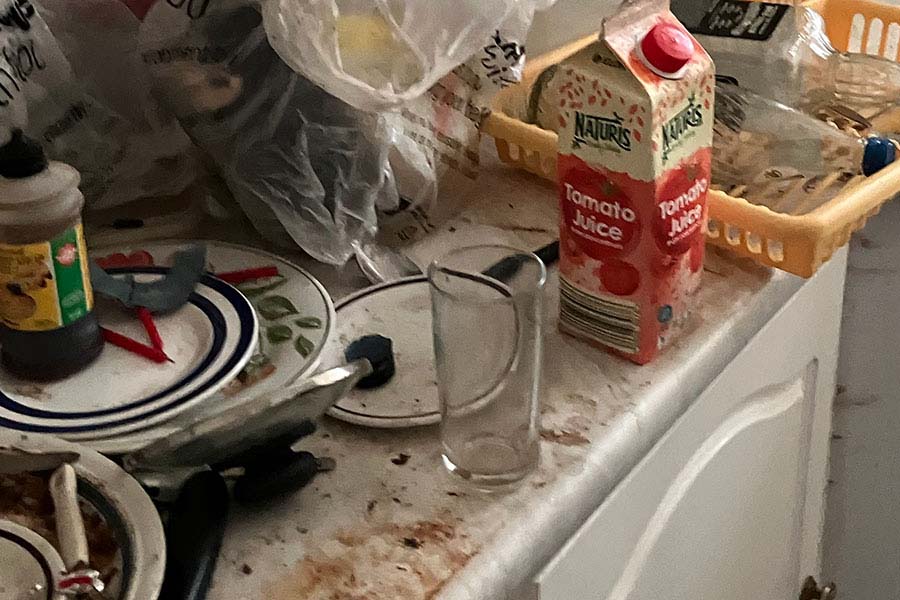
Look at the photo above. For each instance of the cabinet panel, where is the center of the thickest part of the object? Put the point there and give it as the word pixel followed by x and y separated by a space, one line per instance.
pixel 729 502
pixel 711 518
pixel 737 499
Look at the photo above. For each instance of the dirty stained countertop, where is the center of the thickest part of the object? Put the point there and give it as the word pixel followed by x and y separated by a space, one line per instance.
pixel 389 522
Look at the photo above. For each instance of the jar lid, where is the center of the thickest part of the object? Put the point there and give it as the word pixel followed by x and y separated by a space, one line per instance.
pixel 666 49
pixel 58 178
pixel 21 157
pixel 879 153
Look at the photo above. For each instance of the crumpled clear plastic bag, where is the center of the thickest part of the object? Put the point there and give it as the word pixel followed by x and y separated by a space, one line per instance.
pixel 377 54
pixel 57 69
pixel 435 136
pixel 306 168
pixel 385 135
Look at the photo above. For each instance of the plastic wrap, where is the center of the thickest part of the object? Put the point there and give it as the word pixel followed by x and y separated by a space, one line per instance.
pixel 376 54
pixel 435 137
pixel 430 67
pixel 306 168
pixel 123 149
pixel 364 113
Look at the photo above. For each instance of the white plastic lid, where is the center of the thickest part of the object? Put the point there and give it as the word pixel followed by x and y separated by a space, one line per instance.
pixel 53 192
pixel 54 180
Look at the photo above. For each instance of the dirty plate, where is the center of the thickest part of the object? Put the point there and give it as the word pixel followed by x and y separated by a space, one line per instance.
pixel 296 316
pixel 400 310
pixel 121 503
pixel 210 339
pixel 29 564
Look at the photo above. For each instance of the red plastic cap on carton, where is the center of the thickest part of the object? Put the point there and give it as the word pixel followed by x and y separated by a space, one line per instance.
pixel 667 48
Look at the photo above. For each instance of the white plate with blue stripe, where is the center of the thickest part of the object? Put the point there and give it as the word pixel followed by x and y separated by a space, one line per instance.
pixel 210 339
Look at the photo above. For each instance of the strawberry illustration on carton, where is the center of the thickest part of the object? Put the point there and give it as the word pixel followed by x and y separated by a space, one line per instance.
pixel 634 172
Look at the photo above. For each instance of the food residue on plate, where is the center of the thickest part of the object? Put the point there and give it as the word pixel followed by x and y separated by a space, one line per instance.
pixel 25 500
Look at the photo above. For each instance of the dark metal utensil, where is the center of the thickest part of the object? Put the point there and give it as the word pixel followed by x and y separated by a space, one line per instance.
pixel 263 482
pixel 194 534
pixel 507 268
pixel 255 438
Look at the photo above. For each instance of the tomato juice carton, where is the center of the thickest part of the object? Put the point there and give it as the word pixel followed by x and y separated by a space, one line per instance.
pixel 634 169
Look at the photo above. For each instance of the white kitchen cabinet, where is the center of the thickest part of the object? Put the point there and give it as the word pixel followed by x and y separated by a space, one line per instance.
pixel 729 502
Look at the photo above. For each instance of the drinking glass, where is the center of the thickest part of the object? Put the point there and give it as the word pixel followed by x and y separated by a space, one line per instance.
pixel 487 314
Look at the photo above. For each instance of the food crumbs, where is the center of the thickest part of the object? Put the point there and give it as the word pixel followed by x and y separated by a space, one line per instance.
pixel 412 543
pixel 401 459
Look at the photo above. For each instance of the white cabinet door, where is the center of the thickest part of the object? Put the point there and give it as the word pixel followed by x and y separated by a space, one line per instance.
pixel 729 503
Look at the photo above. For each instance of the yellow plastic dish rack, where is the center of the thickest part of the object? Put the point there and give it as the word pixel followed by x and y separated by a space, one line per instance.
pixel 799 244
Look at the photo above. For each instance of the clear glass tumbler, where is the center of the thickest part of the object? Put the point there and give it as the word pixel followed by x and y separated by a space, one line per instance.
pixel 487 313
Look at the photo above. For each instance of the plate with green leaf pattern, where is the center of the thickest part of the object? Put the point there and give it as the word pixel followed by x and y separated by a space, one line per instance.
pixel 296 315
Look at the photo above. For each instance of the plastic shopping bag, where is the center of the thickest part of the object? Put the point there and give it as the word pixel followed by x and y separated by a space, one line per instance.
pixel 123 149
pixel 377 54
pixel 435 141
pixel 306 168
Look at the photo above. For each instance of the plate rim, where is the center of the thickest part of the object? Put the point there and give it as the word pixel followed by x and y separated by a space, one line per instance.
pixel 331 310
pixel 138 438
pixel 52 560
pixel 193 374
pixel 109 442
pixel 375 422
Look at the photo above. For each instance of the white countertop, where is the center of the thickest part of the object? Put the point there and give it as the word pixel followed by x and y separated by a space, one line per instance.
pixel 373 529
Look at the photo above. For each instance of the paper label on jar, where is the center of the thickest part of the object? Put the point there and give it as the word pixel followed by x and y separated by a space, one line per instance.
pixel 45 286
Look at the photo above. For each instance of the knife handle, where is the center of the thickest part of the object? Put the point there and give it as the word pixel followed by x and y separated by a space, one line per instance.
pixel 194 533
pixel 270 450
pixel 263 482
pixel 548 254
pixel 509 267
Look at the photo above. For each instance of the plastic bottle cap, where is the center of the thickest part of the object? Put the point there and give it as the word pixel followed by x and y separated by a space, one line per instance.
pixel 21 157
pixel 879 153
pixel 666 49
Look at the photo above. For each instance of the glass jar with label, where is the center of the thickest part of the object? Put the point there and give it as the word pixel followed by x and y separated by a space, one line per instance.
pixel 48 329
